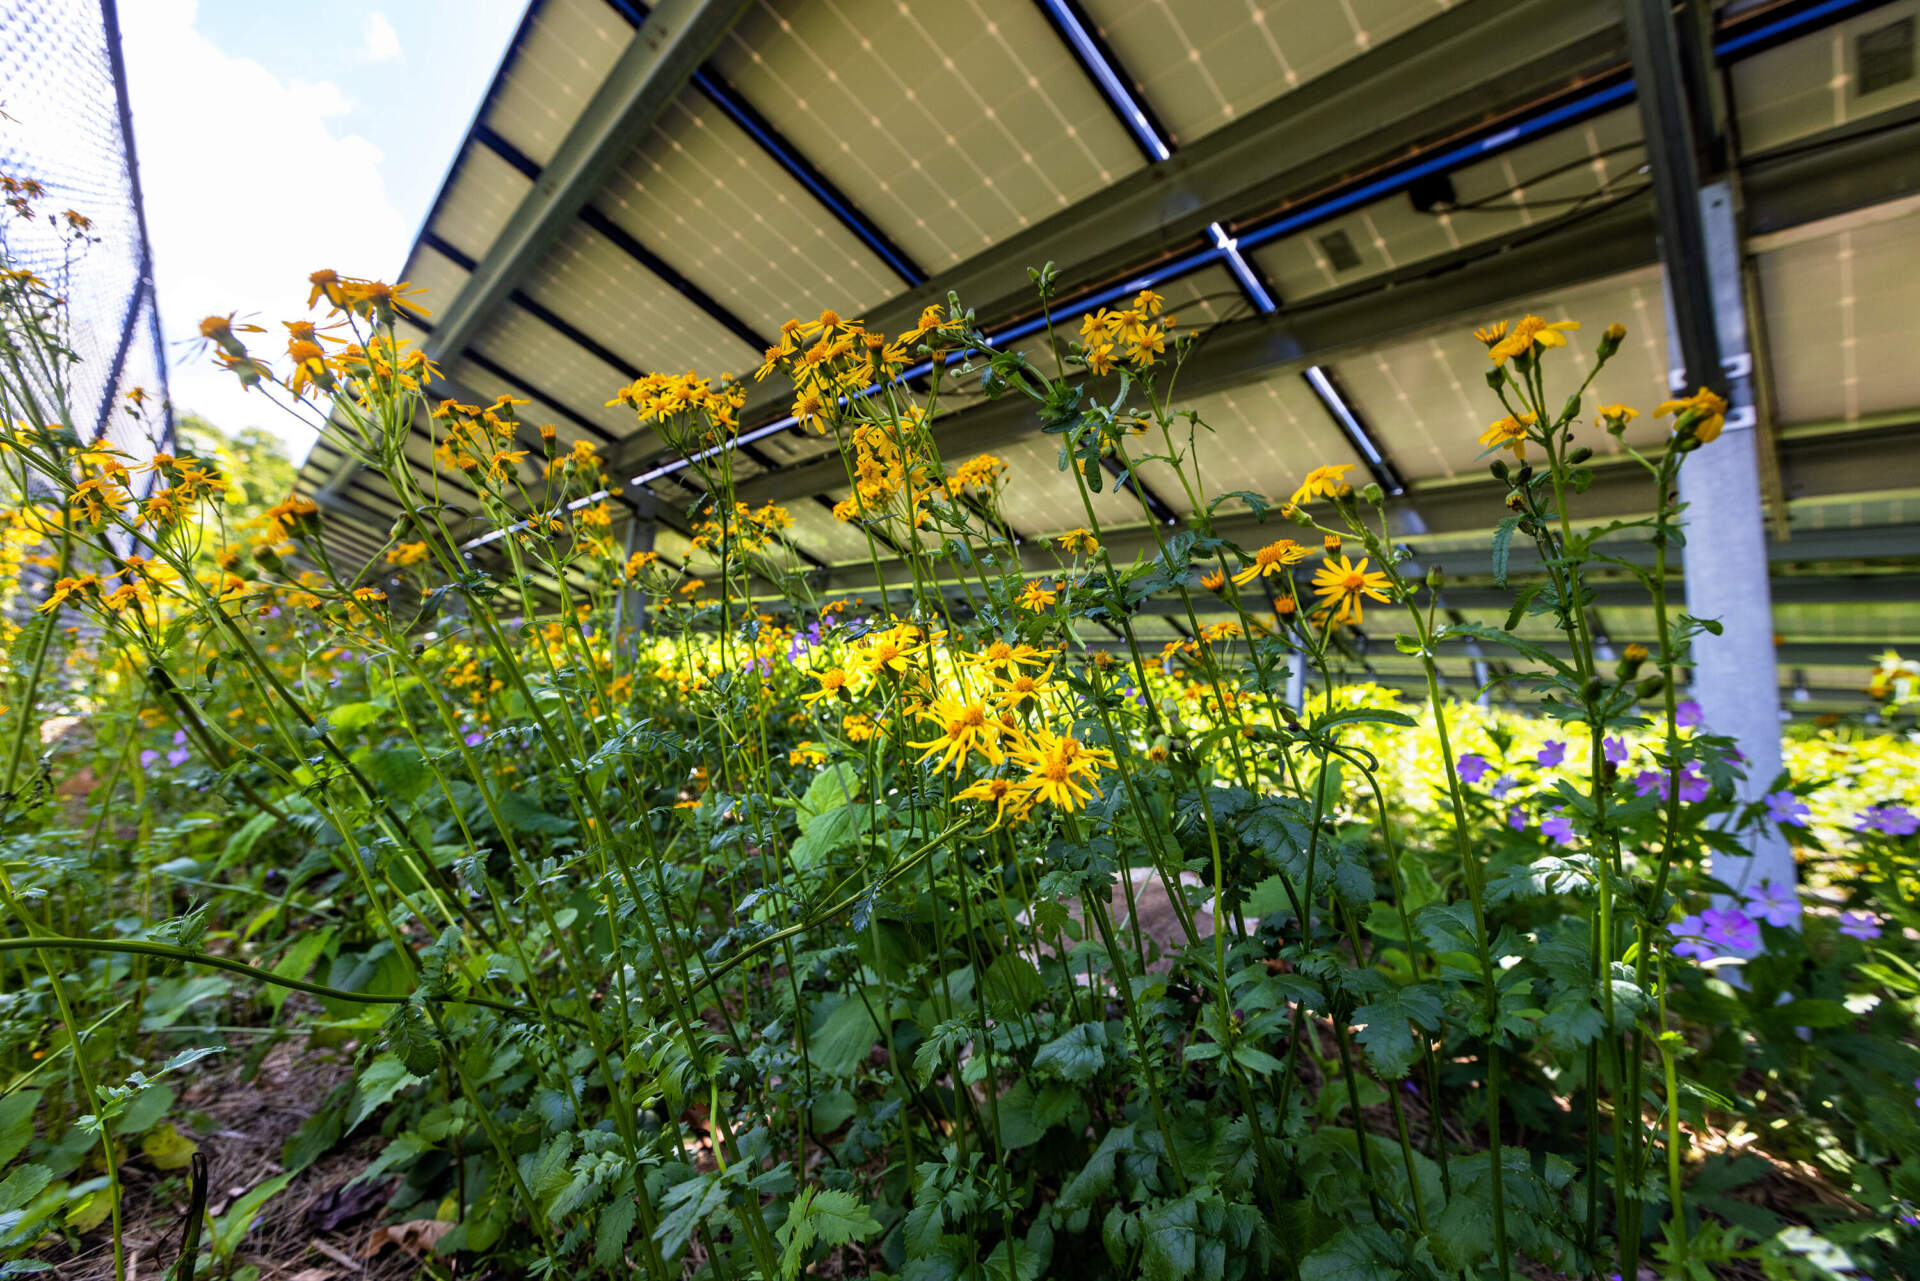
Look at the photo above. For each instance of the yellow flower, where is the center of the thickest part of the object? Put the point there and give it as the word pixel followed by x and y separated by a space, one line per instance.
pixel 1322 482
pixel 888 652
pixel 1617 413
pixel 1004 793
pixel 1059 770
pixel 70 588
pixel 1019 687
pixel 1078 541
pixel 1272 559
pixel 1340 584
pixel 369 595
pixel 807 753
pixel 1705 409
pixel 1010 656
pixel 1510 434
pixel 407 554
pixel 1038 596
pixel 1214 580
pixel 833 684
pixel 1531 332
pixel 966 728
pixel 1492 334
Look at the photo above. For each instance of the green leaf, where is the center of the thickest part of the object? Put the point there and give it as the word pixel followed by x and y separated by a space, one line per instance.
pixel 351 716
pixel 1388 1034
pixel 237 1221
pixel 297 960
pixel 836 785
pixel 1076 1056
pixel 611 1233
pixel 829 1217
pixel 1360 715
pixel 410 1036
pixel 385 1077
pixel 16 1123
pixel 844 1037
pixel 687 1204
pixel 22 1185
pixel 1502 545
pixel 523 814
pixel 1355 1254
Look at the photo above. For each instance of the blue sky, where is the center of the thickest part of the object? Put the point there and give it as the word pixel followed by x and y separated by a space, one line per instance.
pixel 277 138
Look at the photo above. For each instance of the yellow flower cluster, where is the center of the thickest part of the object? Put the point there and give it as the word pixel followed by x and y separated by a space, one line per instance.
pixel 745 532
pixel 831 359
pixel 666 398
pixel 1135 335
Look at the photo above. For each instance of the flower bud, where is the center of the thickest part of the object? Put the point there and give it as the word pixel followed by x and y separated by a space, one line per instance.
pixel 1610 340
pixel 1373 494
pixel 1580 455
pixel 1436 577
pixel 1499 468
pixel 1591 691
pixel 1650 686
pixel 1494 378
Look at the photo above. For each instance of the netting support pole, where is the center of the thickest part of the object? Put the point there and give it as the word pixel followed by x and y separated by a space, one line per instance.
pixel 143 290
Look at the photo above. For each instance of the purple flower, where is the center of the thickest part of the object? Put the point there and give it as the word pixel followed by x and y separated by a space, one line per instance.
pixel 178 757
pixel 475 738
pixel 1473 767
pixel 179 737
pixel 1688 929
pixel 1558 829
pixel 1894 820
pixel 273 611
pixel 1777 905
pixel 1694 787
pixel 147 758
pixel 1504 784
pixel 1616 750
pixel 1517 819
pixel 1787 809
pixel 1552 754
pixel 1730 928
pixel 1650 782
pixel 1859 925
pixel 1687 713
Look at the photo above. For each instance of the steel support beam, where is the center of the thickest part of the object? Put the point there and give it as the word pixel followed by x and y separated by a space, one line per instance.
pixel 661 57
pixel 1734 672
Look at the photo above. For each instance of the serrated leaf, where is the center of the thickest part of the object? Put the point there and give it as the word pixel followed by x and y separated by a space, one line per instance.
pixel 409 1035
pixel 1076 1056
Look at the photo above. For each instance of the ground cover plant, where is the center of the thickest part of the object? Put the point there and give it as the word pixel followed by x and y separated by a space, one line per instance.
pixel 706 926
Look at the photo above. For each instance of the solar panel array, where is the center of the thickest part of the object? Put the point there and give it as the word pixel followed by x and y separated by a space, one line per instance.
pixel 1348 186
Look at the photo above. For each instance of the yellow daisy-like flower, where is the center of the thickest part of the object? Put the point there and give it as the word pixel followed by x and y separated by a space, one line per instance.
pixel 1012 657
pixel 1038 596
pixel 1272 559
pixel 1708 411
pixel 1491 334
pixel 833 684
pixel 1060 770
pixel 1616 414
pixel 1019 687
pixel 1003 793
pixel 967 728
pixel 806 753
pixel 1322 482
pixel 1214 580
pixel 1510 434
pixel 1078 541
pixel 1531 332
pixel 1341 584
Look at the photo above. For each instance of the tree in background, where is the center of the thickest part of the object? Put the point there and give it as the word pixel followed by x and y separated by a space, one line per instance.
pixel 253 461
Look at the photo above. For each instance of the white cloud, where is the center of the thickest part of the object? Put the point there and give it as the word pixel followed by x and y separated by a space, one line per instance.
pixel 248 189
pixel 383 42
